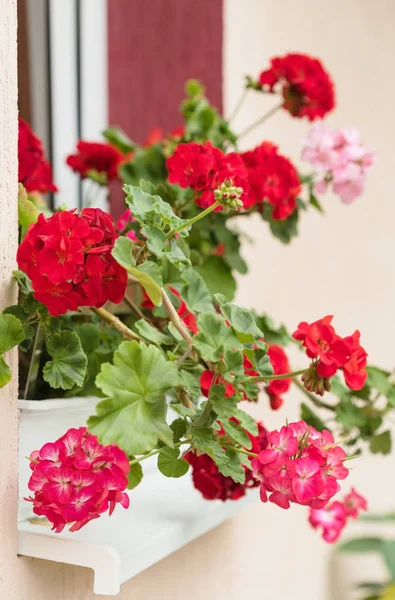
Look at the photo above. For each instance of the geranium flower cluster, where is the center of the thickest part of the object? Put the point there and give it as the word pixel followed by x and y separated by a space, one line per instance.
pixel 34 171
pixel 203 167
pixel 300 465
pixel 330 352
pixel 333 517
pixel 340 160
pixel 306 87
pixel 272 178
pixel 76 479
pixel 68 259
pixel 98 160
pixel 215 486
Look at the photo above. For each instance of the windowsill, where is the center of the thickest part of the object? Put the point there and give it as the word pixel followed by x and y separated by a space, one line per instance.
pixel 164 515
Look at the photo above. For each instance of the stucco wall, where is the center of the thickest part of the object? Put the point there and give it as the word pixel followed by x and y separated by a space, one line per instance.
pixel 341 264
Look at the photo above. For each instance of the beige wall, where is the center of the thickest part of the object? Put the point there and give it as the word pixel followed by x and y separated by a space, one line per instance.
pixel 341 264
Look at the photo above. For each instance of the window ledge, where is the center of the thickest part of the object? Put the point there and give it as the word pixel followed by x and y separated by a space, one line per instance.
pixel 164 514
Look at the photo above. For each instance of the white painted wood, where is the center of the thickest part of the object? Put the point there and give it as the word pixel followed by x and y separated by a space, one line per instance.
pixel 164 514
pixel 64 97
pixel 94 86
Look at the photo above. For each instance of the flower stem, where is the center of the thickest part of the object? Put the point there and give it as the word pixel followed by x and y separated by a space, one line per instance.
pixel 316 401
pixel 239 104
pixel 144 456
pixel 201 215
pixel 175 319
pixel 242 451
pixel 276 377
pixel 260 120
pixel 116 323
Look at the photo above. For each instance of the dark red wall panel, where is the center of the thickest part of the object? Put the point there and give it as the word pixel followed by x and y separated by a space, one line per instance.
pixel 154 46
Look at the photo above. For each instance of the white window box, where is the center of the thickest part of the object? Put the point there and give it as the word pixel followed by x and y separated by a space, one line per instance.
pixel 164 514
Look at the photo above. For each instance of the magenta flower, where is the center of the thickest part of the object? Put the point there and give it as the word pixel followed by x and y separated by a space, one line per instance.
pixel 76 479
pixel 332 519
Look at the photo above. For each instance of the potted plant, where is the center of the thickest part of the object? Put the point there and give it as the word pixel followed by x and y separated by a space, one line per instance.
pixel 140 314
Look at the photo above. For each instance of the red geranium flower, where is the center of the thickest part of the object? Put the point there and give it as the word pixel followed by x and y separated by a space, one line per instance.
pixel 34 171
pixel 306 87
pixel 331 352
pixel 278 387
pixel 103 158
pixel 212 484
pixel 272 178
pixel 68 258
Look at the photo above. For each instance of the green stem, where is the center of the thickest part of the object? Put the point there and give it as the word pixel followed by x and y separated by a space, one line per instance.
pixel 201 215
pixel 33 366
pixel 116 323
pixel 242 451
pixel 260 120
pixel 316 401
pixel 175 319
pixel 276 377
pixel 239 104
pixel 144 456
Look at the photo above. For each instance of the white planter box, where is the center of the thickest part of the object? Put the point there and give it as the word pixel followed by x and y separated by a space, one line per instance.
pixel 164 514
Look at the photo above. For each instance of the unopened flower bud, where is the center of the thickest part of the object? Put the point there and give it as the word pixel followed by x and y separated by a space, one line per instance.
pixel 314 382
pixel 228 195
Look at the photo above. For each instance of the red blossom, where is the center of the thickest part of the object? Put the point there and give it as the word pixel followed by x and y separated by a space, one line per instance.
pixel 68 258
pixel 34 171
pixel 212 484
pixel 278 387
pixel 203 168
pixel 76 479
pixel 306 87
pixel 330 352
pixel 299 466
pixel 100 157
pixel 186 316
pixel 272 178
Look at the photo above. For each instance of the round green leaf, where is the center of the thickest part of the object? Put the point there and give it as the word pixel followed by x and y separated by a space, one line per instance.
pixel 68 365
pixel 170 465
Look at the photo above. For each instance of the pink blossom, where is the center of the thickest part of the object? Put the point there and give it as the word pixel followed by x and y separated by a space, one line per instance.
pixel 76 479
pixel 338 159
pixel 299 465
pixel 332 519
pixel 354 503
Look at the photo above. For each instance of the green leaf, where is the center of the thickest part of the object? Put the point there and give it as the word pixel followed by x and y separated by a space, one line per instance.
pixel 316 203
pixel 378 379
pixel 377 517
pixel 156 239
pixel 233 467
pixel 214 336
pixel 135 475
pixel 234 431
pixel 119 139
pixel 68 365
pixel 178 427
pixel 191 382
pixel 283 230
pixel 182 410
pixel 134 416
pixel 152 334
pixel 11 334
pixel 271 333
pixel 388 552
pixel 246 421
pixel 23 282
pixel 196 293
pixel 381 443
pixel 218 276
pixel 242 321
pixel 350 415
pixel 170 464
pixel 361 545
pixel 152 210
pixel 148 274
pixel 89 335
pixel 207 445
pixel 312 418
pixel 234 362
pixel 27 211
pixel 122 252
pixel 176 256
pixel 222 406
